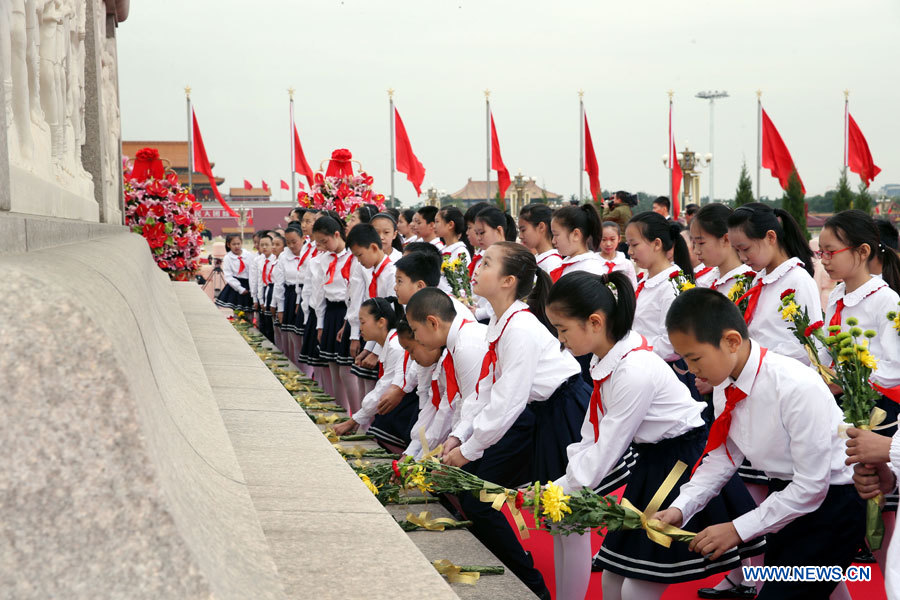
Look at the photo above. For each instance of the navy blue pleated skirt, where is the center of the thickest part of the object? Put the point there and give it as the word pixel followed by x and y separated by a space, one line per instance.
pixel 230 298
pixel 309 349
pixel 394 428
pixel 335 312
pixel 299 318
pixel 290 309
pixel 632 554
pixel 342 352
pixel 363 372
pixel 558 423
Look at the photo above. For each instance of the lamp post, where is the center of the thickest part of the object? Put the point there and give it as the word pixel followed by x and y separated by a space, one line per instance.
pixel 432 196
pixel 690 163
pixel 522 197
pixel 711 96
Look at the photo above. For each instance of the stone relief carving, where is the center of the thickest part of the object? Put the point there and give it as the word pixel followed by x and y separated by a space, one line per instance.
pixel 42 55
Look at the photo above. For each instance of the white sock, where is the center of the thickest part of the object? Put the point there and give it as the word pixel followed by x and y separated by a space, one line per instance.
pixel 572 559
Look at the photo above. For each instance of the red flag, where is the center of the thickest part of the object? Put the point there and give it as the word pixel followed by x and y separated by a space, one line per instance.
pixel 775 155
pixel 859 159
pixel 250 217
pixel 265 185
pixel 497 163
pixel 300 165
pixel 590 161
pixel 201 165
pixel 675 192
pixel 406 160
pixel 284 185
pixel 248 185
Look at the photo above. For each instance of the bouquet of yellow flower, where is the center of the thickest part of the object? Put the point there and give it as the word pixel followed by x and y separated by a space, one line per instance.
pixel 681 282
pixel 741 286
pixel 554 511
pixel 895 317
pixel 456 272
pixel 852 367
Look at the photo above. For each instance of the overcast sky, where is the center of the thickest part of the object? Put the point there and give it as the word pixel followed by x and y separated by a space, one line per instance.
pixel 240 57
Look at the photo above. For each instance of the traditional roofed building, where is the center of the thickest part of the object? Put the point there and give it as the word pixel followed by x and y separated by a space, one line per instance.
pixel 482 191
pixel 252 195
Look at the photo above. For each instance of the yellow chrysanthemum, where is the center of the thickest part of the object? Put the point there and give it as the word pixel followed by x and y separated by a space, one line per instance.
pixel 687 285
pixel 790 310
pixel 866 358
pixel 553 502
pixel 372 487
pixel 418 480
pixel 897 323
pixel 736 291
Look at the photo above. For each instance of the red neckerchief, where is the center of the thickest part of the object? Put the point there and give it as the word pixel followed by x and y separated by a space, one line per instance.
pixel 241 262
pixel 490 358
pixel 381 362
pixel 596 406
pixel 702 272
pixel 473 264
pixel 718 431
pixel 450 370
pixel 839 307
pixel 556 254
pixel 373 285
pixel 345 270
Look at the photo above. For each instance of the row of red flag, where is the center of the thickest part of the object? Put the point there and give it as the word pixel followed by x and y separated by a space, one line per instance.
pixel 775 157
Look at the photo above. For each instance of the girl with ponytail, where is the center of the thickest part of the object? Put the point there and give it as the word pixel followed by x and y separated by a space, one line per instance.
pixel 530 399
pixel 576 234
pixel 771 243
pixel 636 400
pixel 850 243
pixel 534 233
pixel 650 238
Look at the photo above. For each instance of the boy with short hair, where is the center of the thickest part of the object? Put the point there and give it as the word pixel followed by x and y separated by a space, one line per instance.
pixel 437 324
pixel 424 220
pixel 780 415
pixel 419 270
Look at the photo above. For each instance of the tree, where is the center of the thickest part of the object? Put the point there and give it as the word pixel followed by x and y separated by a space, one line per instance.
pixel 744 194
pixel 794 202
pixel 863 201
pixel 843 199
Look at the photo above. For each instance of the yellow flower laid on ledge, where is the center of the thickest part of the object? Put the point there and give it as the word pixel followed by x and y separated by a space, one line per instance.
pixel 554 502
pixel 372 487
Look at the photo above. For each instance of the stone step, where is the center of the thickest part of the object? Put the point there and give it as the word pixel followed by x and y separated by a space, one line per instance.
pixel 329 537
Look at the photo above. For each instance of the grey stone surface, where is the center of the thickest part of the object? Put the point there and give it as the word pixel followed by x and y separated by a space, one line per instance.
pixel 312 506
pixel 5 202
pixel 92 151
pixel 121 481
pixel 21 232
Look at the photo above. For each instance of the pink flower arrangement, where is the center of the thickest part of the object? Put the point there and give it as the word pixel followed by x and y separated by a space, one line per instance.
pixel 167 215
pixel 341 194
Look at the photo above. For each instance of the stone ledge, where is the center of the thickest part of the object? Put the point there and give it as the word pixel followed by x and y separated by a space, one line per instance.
pixel 21 232
pixel 329 536
pixel 122 480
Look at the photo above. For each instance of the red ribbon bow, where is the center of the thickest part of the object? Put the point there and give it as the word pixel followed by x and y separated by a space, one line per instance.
pixel 147 164
pixel 490 358
pixel 340 165
pixel 753 299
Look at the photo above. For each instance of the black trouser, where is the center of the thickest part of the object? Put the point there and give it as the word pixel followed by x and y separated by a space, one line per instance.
pixel 506 463
pixel 828 536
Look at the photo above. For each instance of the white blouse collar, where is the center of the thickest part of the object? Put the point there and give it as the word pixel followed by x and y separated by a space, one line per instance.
pixel 600 368
pixel 780 270
pixel 856 296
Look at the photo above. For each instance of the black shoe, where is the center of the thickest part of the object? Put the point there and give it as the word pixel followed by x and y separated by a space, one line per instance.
pixel 596 565
pixel 735 591
pixel 864 556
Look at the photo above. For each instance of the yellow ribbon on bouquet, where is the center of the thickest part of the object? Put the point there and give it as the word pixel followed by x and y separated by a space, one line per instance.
pixel 508 497
pixel 425 521
pixel 826 373
pixel 657 531
pixel 453 573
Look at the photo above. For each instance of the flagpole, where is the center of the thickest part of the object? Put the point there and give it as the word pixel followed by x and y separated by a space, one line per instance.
pixel 487 120
pixel 580 145
pixel 846 128
pixel 393 150
pixel 758 141
pixel 673 155
pixel 190 139
pixel 290 92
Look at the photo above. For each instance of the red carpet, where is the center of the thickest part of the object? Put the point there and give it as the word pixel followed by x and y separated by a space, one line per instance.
pixel 540 544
